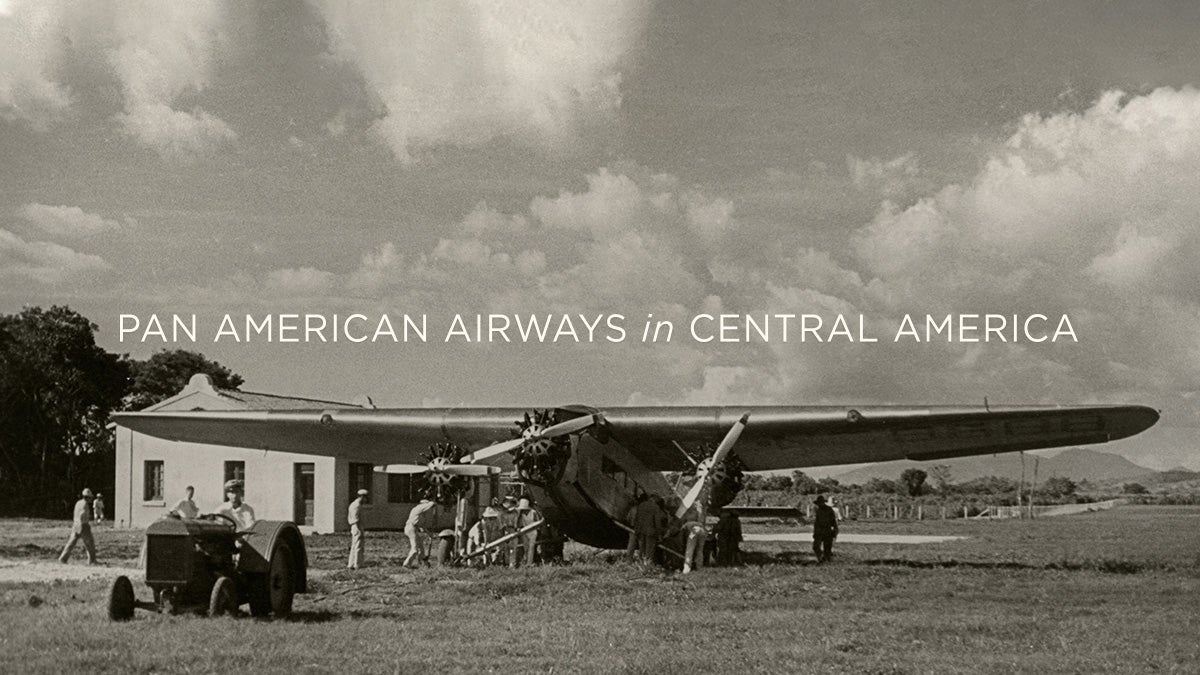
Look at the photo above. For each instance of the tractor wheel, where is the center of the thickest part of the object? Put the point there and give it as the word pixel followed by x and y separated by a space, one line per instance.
pixel 281 581
pixel 223 601
pixel 121 601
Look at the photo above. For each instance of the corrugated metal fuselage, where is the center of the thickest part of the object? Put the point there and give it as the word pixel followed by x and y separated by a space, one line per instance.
pixel 597 489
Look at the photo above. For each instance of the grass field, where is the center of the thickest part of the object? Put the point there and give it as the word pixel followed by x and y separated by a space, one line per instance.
pixel 1104 592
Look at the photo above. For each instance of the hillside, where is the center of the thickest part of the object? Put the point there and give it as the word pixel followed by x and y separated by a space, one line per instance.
pixel 1075 463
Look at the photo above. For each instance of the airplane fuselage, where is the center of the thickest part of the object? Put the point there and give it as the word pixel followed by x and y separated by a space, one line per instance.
pixel 597 489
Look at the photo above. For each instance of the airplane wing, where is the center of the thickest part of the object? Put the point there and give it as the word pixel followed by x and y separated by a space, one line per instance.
pixel 777 437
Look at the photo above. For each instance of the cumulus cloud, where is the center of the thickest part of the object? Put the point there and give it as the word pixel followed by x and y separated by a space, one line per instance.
pixel 45 262
pixel 160 55
pixel 30 55
pixel 163 52
pixel 1088 213
pixel 463 73
pixel 68 221
pixel 300 281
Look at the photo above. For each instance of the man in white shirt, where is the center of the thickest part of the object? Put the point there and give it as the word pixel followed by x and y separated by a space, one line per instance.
pixel 186 508
pixel 234 508
pixel 81 529
pixel 415 530
pixel 357 545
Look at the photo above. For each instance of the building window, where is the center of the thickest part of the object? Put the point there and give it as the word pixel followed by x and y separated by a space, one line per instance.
pixel 234 470
pixel 360 479
pixel 152 477
pixel 402 489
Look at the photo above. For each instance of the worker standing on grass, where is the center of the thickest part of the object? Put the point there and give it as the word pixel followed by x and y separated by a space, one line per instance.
pixel 416 534
pixel 358 547
pixel 729 537
pixel 647 525
pixel 98 509
pixel 81 529
pixel 631 518
pixel 697 536
pixel 825 530
pixel 526 516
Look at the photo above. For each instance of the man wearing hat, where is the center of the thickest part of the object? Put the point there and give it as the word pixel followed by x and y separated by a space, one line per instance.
pixel 234 508
pixel 486 530
pixel 825 529
pixel 526 543
pixel 81 528
pixel 354 516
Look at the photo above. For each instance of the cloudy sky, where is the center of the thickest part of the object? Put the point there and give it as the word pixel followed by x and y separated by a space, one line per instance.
pixel 869 158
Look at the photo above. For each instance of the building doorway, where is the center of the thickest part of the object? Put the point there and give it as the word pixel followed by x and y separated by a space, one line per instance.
pixel 304 493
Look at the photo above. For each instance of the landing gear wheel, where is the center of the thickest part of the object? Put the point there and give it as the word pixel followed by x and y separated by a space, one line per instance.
pixel 223 599
pixel 281 581
pixel 121 601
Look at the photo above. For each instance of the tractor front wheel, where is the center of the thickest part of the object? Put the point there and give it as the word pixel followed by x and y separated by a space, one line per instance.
pixel 121 601
pixel 224 600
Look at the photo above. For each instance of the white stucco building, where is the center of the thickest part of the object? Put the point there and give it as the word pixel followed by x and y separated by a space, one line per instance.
pixel 312 491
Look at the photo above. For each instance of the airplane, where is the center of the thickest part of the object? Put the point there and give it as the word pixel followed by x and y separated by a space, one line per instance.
pixel 585 466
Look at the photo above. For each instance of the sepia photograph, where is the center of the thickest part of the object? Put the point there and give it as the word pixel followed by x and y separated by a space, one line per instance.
pixel 599 336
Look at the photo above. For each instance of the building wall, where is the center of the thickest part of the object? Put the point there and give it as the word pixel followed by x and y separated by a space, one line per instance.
pixel 270 480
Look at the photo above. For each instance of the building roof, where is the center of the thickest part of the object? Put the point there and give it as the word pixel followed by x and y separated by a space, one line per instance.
pixel 200 394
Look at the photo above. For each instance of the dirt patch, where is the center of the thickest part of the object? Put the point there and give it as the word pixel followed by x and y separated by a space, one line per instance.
pixel 25 570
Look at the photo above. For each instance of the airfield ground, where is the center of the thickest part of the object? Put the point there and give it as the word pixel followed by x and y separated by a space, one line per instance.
pixel 1112 591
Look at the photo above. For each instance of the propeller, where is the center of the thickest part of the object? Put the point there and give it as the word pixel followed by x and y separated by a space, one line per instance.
pixel 704 470
pixel 440 466
pixel 533 434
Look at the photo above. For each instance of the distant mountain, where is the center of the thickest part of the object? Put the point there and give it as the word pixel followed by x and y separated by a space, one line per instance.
pixel 1074 463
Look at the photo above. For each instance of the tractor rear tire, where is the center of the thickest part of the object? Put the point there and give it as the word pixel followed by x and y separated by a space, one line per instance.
pixel 223 601
pixel 260 595
pixel 281 581
pixel 121 601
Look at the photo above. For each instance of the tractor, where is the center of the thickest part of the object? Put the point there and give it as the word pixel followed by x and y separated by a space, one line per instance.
pixel 206 565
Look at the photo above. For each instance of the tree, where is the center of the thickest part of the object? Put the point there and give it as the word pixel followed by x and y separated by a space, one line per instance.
pixel 1134 489
pixel 1058 486
pixel 56 392
pixel 940 473
pixel 913 481
pixel 881 485
pixel 167 372
pixel 804 483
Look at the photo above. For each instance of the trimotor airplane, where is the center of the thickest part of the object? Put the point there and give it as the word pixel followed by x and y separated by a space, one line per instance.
pixel 585 466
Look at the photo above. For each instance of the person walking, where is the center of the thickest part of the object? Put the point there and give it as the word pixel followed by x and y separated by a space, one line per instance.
pixel 358 547
pixel 81 529
pixel 825 530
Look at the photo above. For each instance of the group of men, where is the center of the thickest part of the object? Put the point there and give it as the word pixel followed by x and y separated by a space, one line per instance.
pixel 651 523
pixel 511 516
